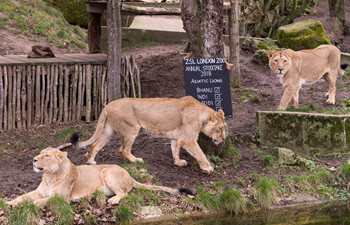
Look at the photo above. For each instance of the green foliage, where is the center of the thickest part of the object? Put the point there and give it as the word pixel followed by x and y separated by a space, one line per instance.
pixel 3 204
pixel 345 171
pixel 100 197
pixel 269 160
pixel 84 202
pixel 231 201
pixel 61 209
pixel 123 215
pixel 231 152
pixel 90 219
pixel 266 192
pixel 26 213
pixel 39 141
pixel 138 198
pixel 301 108
pixel 28 17
pixel 64 134
pixel 245 96
pixel 134 170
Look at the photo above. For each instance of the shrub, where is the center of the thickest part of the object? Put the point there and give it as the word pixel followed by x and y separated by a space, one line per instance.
pixel 26 213
pixel 231 201
pixel 100 197
pixel 345 171
pixel 266 192
pixel 123 215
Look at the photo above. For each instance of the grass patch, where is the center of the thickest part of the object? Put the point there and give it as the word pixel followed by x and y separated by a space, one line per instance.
pixel 301 108
pixel 64 134
pixel 244 97
pixel 26 213
pixel 3 22
pixel 123 215
pixel 269 160
pixel 231 152
pixel 90 219
pixel 61 209
pixel 266 192
pixel 229 201
pixel 39 141
pixel 134 169
pixel 100 198
pixel 139 198
pixel 345 171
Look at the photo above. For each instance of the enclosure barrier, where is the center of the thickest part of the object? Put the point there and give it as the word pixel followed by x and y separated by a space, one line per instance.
pixel 66 88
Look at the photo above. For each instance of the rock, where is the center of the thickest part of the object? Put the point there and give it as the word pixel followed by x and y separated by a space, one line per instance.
pixel 150 212
pixel 253 44
pixel 261 57
pixel 305 34
pixel 290 158
pixel 298 198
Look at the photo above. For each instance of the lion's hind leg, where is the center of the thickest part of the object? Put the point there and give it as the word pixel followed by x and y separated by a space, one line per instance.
pixel 99 144
pixel 331 79
pixel 175 149
pixel 118 182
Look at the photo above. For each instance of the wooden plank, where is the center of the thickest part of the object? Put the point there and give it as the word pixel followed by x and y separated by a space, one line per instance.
pixel 42 100
pixel 60 94
pixel 10 98
pixel 88 93
pixel 29 97
pixel 24 97
pixel 55 100
pixel 37 94
pixel 66 93
pixel 52 80
pixel 74 92
pixel 1 98
pixel 5 97
pixel 80 83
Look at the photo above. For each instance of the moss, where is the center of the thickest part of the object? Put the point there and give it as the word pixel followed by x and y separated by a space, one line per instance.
pixel 305 34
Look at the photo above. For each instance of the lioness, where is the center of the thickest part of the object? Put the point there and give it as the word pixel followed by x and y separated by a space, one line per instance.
pixel 180 120
pixel 62 177
pixel 295 68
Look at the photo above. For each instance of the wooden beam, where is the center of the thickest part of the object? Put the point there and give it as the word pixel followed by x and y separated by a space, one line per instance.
pixel 114 49
pixel 139 10
pixel 94 32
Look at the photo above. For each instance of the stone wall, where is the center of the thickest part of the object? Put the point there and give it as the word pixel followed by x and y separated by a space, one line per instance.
pixel 306 133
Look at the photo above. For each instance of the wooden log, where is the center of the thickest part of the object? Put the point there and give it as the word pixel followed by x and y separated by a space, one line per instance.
pixel 104 88
pixel 150 10
pixel 98 104
pixel 74 94
pixel 122 77
pixel 1 98
pixel 10 97
pixel 37 95
pixel 24 86
pixel 29 96
pixel 94 92
pixel 83 95
pixel 66 94
pixel 79 100
pixel 18 96
pixel 55 98
pixel 5 98
pixel 88 93
pixel 47 94
pixel 42 100
pixel 60 94
pixel 70 97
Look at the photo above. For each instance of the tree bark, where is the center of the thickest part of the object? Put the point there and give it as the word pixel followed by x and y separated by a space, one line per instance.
pixel 203 23
pixel 114 49
pixel 235 75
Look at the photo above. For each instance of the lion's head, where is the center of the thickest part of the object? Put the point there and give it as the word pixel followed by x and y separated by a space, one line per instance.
pixel 216 127
pixel 280 62
pixel 49 160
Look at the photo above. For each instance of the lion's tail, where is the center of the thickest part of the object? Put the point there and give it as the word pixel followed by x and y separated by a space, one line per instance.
pixel 99 128
pixel 342 68
pixel 162 188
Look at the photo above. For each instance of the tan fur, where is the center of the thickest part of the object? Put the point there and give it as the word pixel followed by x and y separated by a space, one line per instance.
pixel 180 120
pixel 295 68
pixel 62 177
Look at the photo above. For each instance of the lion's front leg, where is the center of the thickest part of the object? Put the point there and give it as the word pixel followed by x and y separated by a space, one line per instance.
pixel 296 100
pixel 175 149
pixel 33 195
pixel 288 94
pixel 193 148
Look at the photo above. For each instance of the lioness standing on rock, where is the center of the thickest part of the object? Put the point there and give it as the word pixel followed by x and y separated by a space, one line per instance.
pixel 180 120
pixel 61 177
pixel 295 68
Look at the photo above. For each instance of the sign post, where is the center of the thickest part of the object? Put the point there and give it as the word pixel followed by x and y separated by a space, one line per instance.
pixel 207 80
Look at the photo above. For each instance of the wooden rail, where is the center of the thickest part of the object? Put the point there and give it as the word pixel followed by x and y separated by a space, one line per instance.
pixel 66 88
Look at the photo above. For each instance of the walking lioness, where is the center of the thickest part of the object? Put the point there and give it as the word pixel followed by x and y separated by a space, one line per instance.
pixel 295 68
pixel 180 120
pixel 61 177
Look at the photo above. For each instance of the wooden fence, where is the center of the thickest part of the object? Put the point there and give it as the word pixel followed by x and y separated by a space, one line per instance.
pixel 67 88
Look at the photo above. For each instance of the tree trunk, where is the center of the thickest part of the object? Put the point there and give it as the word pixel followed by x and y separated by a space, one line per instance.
pixel 94 32
pixel 114 49
pixel 203 23
pixel 235 75
pixel 337 9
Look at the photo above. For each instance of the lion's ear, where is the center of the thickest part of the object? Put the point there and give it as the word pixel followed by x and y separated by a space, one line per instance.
pixel 212 117
pixel 221 113
pixel 62 155
pixel 271 53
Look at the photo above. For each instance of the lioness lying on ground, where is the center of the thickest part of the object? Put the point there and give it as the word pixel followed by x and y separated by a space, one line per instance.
pixel 62 177
pixel 295 68
pixel 180 120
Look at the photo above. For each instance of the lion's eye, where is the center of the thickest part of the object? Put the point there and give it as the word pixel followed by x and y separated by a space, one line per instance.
pixel 284 60
pixel 276 60
pixel 46 155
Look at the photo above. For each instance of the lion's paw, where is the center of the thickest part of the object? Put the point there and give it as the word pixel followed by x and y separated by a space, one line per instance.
pixel 330 101
pixel 139 160
pixel 182 162
pixel 91 162
pixel 208 170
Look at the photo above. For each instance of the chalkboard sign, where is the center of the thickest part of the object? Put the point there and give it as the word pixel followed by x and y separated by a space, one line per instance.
pixel 207 80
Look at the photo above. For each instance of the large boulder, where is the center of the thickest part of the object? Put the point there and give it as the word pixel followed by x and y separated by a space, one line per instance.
pixel 305 34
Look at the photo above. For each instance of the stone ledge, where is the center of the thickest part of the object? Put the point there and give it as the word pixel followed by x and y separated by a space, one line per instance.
pixel 305 132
